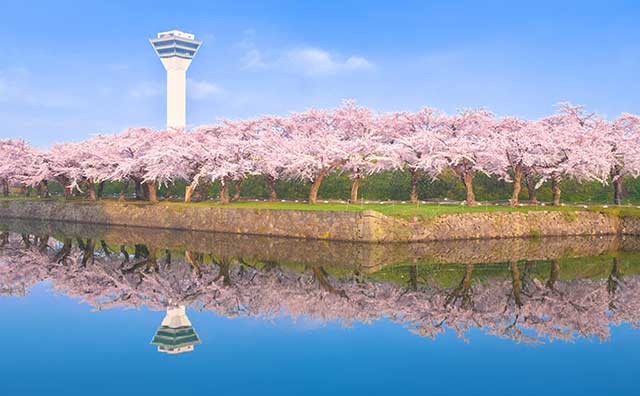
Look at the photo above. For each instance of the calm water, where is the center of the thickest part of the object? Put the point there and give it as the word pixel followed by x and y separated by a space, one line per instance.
pixel 95 310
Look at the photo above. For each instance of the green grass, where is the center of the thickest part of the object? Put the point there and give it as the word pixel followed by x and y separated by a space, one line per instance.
pixel 399 210
pixel 408 210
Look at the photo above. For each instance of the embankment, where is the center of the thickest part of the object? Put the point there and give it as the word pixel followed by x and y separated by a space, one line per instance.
pixel 363 226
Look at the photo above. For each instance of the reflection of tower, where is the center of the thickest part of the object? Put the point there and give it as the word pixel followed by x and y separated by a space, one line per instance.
pixel 175 334
pixel 176 49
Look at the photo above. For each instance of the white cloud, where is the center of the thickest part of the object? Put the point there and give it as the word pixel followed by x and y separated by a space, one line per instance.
pixel 202 89
pixel 357 62
pixel 311 61
pixel 252 60
pixel 307 61
pixel 146 89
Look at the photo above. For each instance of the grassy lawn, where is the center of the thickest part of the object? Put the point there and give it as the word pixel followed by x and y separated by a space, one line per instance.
pixel 399 210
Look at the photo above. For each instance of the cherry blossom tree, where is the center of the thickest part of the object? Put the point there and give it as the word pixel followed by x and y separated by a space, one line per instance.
pixel 624 138
pixel 310 145
pixel 411 142
pixel 131 153
pixel 369 149
pixel 228 157
pixel 575 146
pixel 16 158
pixel 270 149
pixel 177 155
pixel 315 148
pixel 468 146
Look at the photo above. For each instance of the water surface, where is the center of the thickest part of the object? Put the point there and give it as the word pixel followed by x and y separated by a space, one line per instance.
pixel 104 310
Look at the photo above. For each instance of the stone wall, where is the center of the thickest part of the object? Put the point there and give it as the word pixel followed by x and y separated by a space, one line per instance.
pixel 365 226
pixel 364 257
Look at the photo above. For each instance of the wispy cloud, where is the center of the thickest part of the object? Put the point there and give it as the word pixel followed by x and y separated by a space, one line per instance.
pixel 252 60
pixel 311 61
pixel 202 89
pixel 307 61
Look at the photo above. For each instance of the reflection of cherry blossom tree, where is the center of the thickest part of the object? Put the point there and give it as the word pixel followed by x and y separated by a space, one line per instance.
pixel 522 307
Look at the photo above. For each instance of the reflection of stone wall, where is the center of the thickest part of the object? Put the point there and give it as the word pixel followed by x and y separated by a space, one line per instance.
pixel 631 225
pixel 495 225
pixel 367 257
pixel 366 226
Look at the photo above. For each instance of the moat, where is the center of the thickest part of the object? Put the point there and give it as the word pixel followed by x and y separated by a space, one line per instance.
pixel 126 306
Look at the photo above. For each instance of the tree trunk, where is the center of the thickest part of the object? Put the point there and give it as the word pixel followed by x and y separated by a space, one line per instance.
pixel 531 189
pixel 139 190
pixel 413 277
pixel 313 194
pixel 237 184
pixel 26 191
pixel 146 194
pixel 517 186
pixel 101 189
pixel 467 178
pixel 224 191
pixel 617 186
pixel 123 190
pixel 91 190
pixel 192 259
pixel 354 189
pixel 5 187
pixel 271 183
pixel 188 192
pixel 152 191
pixel 555 187
pixel 43 189
pixel 167 191
pixel 67 192
pixel 554 274
pixel 414 186
pixel 463 292
pixel 516 284
pixel 203 191
pixel 613 281
pixel 617 191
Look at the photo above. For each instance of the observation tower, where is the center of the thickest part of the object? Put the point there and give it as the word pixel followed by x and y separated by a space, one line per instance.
pixel 175 334
pixel 176 50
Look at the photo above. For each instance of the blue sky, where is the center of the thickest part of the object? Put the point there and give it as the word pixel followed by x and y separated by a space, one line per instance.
pixel 70 69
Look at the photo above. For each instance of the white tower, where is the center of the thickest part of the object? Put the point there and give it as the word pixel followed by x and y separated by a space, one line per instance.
pixel 176 49
pixel 175 334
